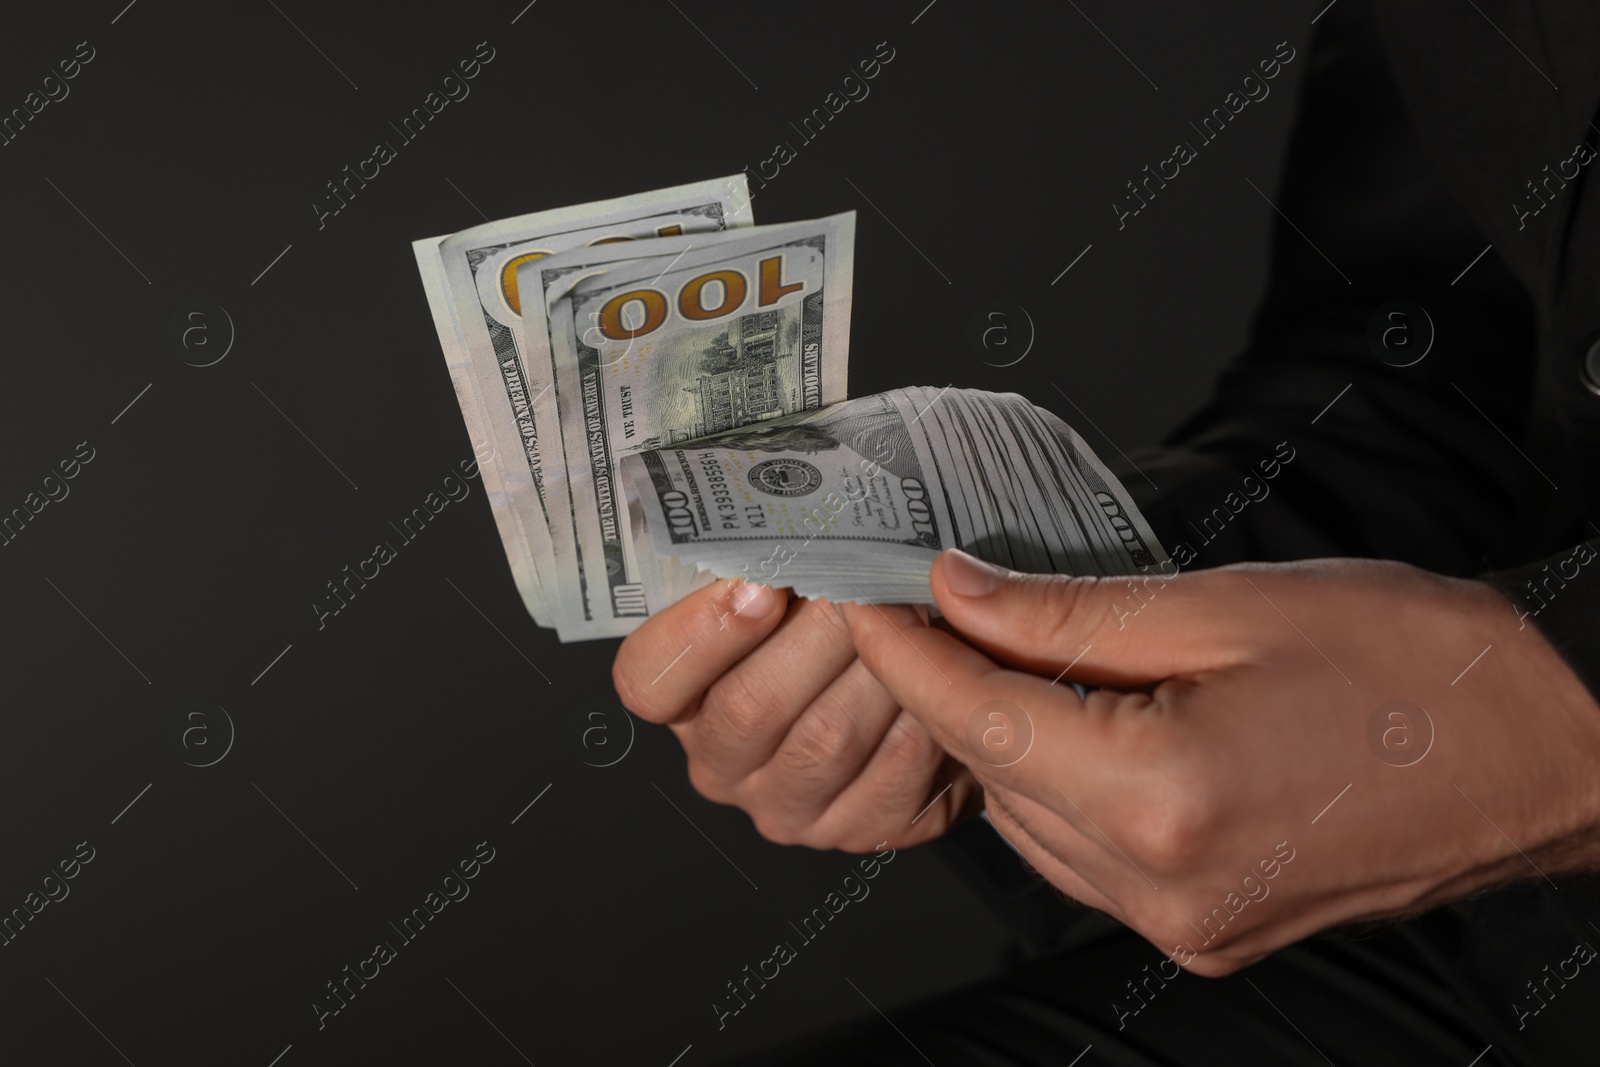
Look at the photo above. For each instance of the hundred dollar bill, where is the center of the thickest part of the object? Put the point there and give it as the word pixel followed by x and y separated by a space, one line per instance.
pixel 709 333
pixel 854 502
pixel 471 282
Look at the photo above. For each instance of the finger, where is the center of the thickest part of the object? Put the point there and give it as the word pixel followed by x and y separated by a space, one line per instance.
pixel 950 686
pixel 844 731
pixel 663 667
pixel 746 715
pixel 1099 785
pixel 907 792
pixel 928 671
pixel 1122 631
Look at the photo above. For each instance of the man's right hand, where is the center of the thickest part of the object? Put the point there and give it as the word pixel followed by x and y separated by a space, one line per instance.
pixel 780 718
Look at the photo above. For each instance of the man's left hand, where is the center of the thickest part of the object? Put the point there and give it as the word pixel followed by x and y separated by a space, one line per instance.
pixel 1274 749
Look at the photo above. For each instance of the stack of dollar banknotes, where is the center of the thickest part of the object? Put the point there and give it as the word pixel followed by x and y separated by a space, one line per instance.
pixel 656 391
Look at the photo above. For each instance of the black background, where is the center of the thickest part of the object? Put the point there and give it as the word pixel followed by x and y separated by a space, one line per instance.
pixel 428 714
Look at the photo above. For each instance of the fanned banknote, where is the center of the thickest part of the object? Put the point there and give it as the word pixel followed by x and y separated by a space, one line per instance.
pixel 708 333
pixel 853 502
pixel 471 283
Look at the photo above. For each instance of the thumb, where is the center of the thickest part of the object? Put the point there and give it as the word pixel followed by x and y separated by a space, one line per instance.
pixel 1123 631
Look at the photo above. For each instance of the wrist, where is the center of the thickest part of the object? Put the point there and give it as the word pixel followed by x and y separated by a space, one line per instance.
pixel 1557 742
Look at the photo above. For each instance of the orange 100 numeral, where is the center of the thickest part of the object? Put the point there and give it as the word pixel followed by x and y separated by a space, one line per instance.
pixel 651 303
pixel 508 273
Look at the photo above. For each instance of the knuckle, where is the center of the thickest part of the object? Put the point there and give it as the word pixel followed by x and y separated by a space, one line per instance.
pixel 831 833
pixel 637 699
pixel 858 843
pixel 738 705
pixel 813 836
pixel 828 616
pixel 815 743
pixel 907 743
pixel 1161 920
pixel 1171 837
pixel 707 782
pixel 899 784
pixel 1217 965
pixel 1062 602
pixel 774 828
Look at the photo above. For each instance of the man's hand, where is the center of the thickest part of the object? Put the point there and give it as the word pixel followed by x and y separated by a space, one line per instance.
pixel 1243 780
pixel 779 717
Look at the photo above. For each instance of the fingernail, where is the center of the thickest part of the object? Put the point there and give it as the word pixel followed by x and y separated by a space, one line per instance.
pixel 969 576
pixel 753 601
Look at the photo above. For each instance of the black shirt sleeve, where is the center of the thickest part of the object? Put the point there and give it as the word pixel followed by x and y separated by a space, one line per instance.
pixel 1316 444
pixel 1399 462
